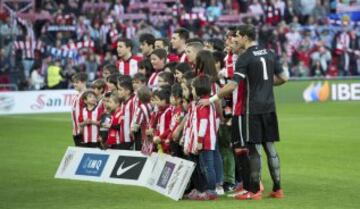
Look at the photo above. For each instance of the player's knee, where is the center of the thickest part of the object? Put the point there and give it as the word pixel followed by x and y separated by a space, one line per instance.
pixel 270 150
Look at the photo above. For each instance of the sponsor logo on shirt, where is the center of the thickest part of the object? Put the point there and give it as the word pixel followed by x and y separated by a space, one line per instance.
pixel 92 164
pixel 128 167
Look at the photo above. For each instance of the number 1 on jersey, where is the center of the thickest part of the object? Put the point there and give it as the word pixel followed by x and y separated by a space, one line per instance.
pixel 263 62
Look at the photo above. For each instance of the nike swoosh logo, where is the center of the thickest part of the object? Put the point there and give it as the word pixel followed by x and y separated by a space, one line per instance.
pixel 121 170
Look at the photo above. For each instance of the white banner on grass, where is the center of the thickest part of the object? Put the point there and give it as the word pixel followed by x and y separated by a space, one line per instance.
pixel 49 101
pixel 160 172
pixel 169 175
pixel 113 166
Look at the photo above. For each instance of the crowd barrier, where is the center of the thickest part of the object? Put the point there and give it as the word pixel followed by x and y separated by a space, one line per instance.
pixel 159 172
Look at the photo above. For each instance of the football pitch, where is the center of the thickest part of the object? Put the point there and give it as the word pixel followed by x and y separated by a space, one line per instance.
pixel 319 153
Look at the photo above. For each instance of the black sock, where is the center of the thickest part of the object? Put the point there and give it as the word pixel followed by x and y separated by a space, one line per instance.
pixel 276 186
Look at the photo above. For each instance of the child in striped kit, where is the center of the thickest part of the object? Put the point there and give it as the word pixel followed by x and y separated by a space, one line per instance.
pixel 202 138
pixel 176 118
pixel 160 120
pixel 89 120
pixel 113 140
pixel 126 95
pixel 141 119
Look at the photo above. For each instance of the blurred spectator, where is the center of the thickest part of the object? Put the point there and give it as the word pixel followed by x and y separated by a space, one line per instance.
pixel 256 9
pixel 214 10
pixel 37 81
pixel 320 60
pixel 300 70
pixel 54 76
pixel 91 65
pixel 342 44
pixel 243 5
pixel 289 12
pixel 326 37
pixel 272 14
pixel 293 39
pixel 319 13
pixel 4 62
pixel 119 10
pixel 354 52
pixel 280 5
pixel 307 7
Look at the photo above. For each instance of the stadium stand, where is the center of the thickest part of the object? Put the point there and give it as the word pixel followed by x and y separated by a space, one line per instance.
pixel 312 38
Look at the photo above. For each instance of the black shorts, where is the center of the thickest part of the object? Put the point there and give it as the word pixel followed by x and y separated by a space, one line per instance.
pixel 237 139
pixel 138 140
pixel 91 145
pixel 260 128
pixel 123 146
pixel 77 140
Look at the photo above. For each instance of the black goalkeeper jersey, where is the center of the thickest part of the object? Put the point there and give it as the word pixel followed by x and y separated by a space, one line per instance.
pixel 257 66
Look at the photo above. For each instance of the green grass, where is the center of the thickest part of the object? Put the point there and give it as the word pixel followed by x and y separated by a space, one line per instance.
pixel 319 162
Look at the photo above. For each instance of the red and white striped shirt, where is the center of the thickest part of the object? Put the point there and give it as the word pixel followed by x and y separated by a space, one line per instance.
pixel 188 128
pixel 114 34
pixel 77 106
pixel 143 114
pixel 127 110
pixel 184 58
pixel 128 67
pixel 172 58
pixel 272 14
pixel 163 122
pixel 64 19
pixel 154 80
pixel 114 135
pixel 238 96
pixel 137 104
pixel 104 30
pixel 239 99
pixel 200 15
pixel 214 88
pixel 90 131
pixel 177 114
pixel 28 48
pixel 342 42
pixel 142 118
pixel 230 60
pixel 203 129
pixel 81 45
pixel 130 32
pixel 162 130
pixel 101 105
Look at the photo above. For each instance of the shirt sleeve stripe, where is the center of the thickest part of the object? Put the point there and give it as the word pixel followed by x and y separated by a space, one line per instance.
pixel 240 74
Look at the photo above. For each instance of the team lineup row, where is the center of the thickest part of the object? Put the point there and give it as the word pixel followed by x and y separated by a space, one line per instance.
pixel 217 111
